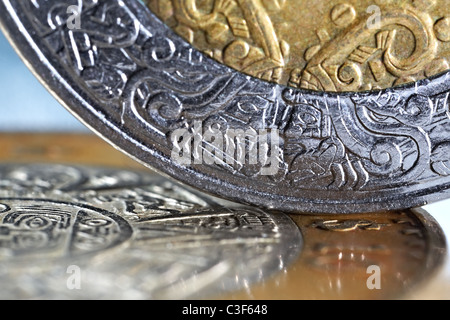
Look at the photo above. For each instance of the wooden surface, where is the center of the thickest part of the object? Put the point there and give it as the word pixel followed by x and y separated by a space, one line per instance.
pixel 61 148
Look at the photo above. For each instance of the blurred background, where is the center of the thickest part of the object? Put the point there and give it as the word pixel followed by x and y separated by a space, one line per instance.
pixel 25 104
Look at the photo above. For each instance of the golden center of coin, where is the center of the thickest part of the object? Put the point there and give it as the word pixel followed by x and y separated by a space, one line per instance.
pixel 318 45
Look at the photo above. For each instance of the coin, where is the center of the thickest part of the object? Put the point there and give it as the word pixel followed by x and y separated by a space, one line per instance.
pixel 338 258
pixel 388 255
pixel 97 233
pixel 151 94
pixel 319 45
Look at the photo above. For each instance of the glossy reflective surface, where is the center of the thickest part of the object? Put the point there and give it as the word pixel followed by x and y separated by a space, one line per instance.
pixel 361 256
pixel 336 257
pixel 97 233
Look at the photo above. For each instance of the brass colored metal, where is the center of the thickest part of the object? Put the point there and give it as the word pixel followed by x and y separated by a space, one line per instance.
pixel 355 45
pixel 341 252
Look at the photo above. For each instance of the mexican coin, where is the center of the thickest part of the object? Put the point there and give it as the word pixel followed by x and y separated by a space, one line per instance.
pixel 71 232
pixel 152 94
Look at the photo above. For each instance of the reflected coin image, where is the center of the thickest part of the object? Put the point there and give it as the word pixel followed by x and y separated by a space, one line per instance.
pixel 77 232
pixel 387 255
pixel 94 233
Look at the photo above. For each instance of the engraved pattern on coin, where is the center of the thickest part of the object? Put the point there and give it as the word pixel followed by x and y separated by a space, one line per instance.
pixel 347 152
pixel 42 229
pixel 132 235
pixel 350 49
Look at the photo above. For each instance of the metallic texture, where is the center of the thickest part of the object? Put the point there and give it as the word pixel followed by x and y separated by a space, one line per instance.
pixel 341 252
pixel 130 79
pixel 77 232
pixel 319 45
pixel 337 251
pixel 129 235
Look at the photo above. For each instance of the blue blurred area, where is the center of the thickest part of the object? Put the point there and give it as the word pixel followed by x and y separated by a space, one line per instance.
pixel 25 105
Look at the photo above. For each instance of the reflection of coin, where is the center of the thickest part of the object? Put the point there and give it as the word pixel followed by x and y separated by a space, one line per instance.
pixel 130 235
pixel 319 45
pixel 361 256
pixel 337 249
pixel 43 228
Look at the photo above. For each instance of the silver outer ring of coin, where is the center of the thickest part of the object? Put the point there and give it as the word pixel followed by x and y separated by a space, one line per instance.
pixel 130 79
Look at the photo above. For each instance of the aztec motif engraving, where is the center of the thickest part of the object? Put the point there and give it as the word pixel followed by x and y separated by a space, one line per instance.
pixel 51 228
pixel 342 63
pixel 241 33
pixel 355 47
pixel 135 225
pixel 149 82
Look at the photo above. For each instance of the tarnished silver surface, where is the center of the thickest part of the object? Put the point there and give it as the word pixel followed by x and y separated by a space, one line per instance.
pixel 83 232
pixel 134 82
